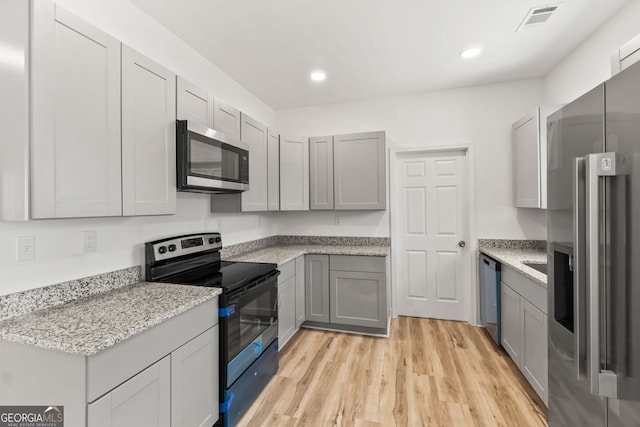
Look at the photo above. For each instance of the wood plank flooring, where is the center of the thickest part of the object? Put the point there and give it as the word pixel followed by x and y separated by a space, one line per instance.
pixel 427 373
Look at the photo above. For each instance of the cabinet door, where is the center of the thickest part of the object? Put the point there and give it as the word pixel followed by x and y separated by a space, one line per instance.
pixel 359 171
pixel 316 287
pixel 321 173
pixel 194 381
pixel 226 119
pixel 75 102
pixel 254 133
pixel 300 306
pixel 273 170
pixel 534 347
pixel 142 401
pixel 294 174
pixel 194 104
pixel 358 298
pixel 286 310
pixel 526 162
pixel 148 136
pixel 510 322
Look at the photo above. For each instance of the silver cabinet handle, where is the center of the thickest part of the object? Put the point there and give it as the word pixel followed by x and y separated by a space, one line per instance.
pixel 579 315
pixel 462 243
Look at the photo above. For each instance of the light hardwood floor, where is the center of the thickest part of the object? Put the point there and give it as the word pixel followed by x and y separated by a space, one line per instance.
pixel 427 373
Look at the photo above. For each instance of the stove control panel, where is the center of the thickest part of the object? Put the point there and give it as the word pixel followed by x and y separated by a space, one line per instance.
pixel 182 245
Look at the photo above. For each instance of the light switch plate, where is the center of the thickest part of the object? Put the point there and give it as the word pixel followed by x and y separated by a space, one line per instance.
pixel 25 248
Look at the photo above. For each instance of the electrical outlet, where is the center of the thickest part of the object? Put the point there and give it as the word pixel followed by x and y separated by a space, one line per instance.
pixel 336 220
pixel 89 241
pixel 25 248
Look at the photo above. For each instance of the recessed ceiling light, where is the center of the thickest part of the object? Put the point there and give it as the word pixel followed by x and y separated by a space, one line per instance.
pixel 472 52
pixel 318 76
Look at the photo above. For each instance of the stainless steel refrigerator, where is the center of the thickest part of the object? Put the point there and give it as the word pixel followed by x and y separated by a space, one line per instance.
pixel 593 221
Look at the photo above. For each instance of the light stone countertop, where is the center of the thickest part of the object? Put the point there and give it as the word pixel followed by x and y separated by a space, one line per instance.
pixel 89 325
pixel 514 258
pixel 281 254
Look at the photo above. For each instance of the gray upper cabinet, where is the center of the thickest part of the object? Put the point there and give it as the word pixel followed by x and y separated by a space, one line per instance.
pixel 273 170
pixel 76 149
pixel 316 274
pixel 194 104
pixel 226 119
pixel 254 133
pixel 148 136
pixel 529 142
pixel 359 171
pixel 294 173
pixel 321 173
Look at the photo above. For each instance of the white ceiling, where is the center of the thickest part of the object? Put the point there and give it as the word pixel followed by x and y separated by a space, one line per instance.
pixel 374 48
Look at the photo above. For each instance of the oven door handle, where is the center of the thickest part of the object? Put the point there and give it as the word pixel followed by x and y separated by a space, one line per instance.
pixel 252 286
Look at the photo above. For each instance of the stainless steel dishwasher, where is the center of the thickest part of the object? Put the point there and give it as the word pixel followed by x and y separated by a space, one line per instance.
pixel 490 296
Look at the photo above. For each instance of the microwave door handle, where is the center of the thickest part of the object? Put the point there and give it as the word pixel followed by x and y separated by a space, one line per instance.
pixel 578 253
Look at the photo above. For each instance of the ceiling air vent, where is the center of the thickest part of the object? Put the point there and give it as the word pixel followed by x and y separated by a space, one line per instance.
pixel 537 16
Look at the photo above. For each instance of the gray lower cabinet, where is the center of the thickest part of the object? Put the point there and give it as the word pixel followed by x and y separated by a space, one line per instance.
pixel 316 273
pixel 291 307
pixel 194 380
pixel 347 290
pixel 524 327
pixel 300 300
pixel 165 375
pixel 142 401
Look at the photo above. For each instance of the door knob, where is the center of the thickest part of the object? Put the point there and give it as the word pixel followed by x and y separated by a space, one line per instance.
pixel 462 243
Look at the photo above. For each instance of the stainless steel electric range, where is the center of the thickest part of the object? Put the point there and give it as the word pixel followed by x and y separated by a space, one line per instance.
pixel 248 310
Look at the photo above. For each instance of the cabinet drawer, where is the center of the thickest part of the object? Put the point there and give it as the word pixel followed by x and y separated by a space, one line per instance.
pixel 527 288
pixel 287 270
pixel 369 264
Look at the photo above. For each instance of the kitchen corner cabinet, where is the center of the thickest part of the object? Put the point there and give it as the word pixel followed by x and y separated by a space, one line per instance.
pixel 346 292
pixel 291 309
pixel 348 172
pixel 273 170
pixel 529 143
pixel 254 134
pixel 76 148
pixel 227 119
pixel 524 327
pixel 148 136
pixel 194 104
pixel 294 173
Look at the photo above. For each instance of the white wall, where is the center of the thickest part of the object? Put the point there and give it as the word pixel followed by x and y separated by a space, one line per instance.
pixel 590 63
pixel 481 116
pixel 58 255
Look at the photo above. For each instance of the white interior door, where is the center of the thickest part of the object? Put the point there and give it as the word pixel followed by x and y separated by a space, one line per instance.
pixel 431 213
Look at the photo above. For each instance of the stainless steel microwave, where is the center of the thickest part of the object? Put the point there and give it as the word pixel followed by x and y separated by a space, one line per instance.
pixel 209 161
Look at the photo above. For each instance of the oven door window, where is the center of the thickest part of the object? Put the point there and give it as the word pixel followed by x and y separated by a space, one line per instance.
pixel 255 310
pixel 213 159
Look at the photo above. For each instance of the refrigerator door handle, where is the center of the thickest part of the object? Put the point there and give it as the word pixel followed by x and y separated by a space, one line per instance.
pixel 602 383
pixel 578 243
pixel 592 258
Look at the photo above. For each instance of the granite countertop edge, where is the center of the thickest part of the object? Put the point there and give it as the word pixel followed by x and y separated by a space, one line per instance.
pixel 90 335
pixel 514 258
pixel 281 254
